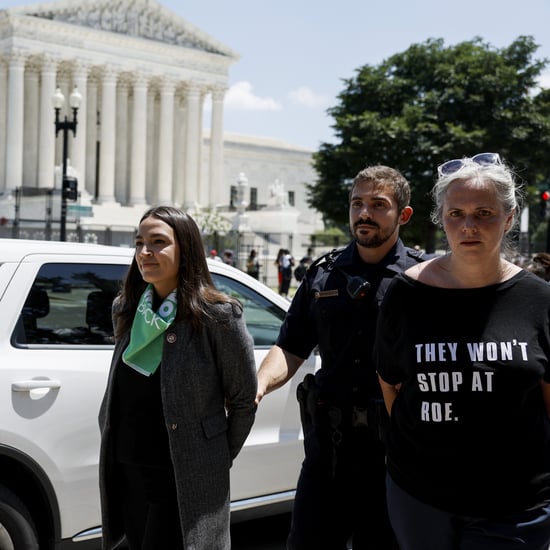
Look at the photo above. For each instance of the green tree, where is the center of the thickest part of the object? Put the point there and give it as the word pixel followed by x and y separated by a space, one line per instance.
pixel 430 104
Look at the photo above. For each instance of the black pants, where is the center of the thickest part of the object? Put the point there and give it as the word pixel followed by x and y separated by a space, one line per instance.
pixel 150 510
pixel 342 500
pixel 284 287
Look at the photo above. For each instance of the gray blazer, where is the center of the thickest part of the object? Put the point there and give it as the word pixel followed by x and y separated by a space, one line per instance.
pixel 208 386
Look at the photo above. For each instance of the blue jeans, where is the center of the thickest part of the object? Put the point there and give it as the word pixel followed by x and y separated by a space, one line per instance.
pixel 419 526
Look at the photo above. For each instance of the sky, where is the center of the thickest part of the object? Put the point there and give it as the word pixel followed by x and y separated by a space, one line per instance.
pixel 296 54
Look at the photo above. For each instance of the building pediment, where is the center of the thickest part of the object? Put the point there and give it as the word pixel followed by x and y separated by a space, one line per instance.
pixel 138 18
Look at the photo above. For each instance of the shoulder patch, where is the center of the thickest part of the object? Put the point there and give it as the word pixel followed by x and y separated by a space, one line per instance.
pixel 328 257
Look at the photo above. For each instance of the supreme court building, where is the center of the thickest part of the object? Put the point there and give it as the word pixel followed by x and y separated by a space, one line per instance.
pixel 143 74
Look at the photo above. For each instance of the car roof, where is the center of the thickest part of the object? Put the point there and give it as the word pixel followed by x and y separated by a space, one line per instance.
pixel 16 249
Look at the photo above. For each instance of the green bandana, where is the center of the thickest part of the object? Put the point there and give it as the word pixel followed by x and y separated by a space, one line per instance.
pixel 144 351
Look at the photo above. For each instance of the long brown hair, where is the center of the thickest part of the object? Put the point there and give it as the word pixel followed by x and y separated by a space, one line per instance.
pixel 195 291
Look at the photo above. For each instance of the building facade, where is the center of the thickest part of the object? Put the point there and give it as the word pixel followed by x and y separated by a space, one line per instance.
pixel 143 75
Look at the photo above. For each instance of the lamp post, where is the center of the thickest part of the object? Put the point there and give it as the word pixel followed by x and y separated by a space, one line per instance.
pixel 240 223
pixel 69 184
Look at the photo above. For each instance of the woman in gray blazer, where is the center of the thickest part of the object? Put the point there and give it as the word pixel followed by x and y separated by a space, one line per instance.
pixel 179 401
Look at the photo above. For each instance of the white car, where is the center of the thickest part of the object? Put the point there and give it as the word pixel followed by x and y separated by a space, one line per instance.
pixel 55 351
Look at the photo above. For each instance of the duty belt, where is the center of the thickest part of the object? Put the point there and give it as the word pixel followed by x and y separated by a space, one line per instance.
pixel 337 419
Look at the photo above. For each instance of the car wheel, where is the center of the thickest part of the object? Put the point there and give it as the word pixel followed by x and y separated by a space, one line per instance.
pixel 17 529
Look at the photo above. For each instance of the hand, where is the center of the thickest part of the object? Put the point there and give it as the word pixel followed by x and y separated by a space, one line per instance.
pixel 260 394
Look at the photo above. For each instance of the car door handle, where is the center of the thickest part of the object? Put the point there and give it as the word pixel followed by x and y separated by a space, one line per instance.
pixel 28 385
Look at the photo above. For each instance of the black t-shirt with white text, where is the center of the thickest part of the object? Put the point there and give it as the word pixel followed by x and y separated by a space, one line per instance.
pixel 469 430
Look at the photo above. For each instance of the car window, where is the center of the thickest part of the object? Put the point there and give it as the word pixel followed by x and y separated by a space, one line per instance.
pixel 70 303
pixel 263 318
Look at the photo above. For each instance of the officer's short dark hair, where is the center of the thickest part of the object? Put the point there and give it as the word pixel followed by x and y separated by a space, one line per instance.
pixel 386 176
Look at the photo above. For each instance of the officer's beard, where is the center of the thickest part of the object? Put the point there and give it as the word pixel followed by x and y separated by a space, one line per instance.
pixel 374 239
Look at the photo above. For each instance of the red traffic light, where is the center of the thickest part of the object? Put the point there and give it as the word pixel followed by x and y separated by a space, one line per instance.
pixel 545 195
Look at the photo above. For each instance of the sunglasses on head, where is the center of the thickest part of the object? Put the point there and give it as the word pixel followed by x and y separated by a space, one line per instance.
pixel 483 159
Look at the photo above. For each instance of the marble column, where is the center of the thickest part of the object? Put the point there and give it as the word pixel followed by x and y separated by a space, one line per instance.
pixel 121 144
pixel 166 143
pixel 193 135
pixel 78 160
pixel 3 124
pixel 203 191
pixel 152 147
pixel 218 194
pixel 179 152
pixel 92 139
pixel 14 148
pixel 46 133
pixel 107 143
pixel 30 127
pixel 139 142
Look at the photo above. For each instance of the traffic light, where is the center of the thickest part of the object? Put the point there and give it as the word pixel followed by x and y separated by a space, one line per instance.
pixel 70 188
pixel 544 198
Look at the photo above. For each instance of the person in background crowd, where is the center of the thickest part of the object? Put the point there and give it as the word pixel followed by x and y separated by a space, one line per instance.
pixel 540 265
pixel 463 356
pixel 179 402
pixel 538 269
pixel 308 258
pixel 304 263
pixel 286 262
pixel 341 489
pixel 278 266
pixel 227 257
pixel 253 265
pixel 300 271
pixel 214 255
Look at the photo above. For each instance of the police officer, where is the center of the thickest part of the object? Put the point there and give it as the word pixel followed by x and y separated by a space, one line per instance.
pixel 340 494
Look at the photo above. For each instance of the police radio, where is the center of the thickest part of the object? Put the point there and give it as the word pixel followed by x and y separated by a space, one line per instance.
pixel 357 287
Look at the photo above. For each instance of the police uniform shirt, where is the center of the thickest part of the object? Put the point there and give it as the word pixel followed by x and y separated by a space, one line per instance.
pixel 323 314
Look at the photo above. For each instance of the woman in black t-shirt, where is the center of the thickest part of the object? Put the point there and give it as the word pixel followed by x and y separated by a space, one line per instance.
pixel 467 380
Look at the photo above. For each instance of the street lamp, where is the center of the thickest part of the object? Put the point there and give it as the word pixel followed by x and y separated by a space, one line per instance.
pixel 69 184
pixel 240 223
